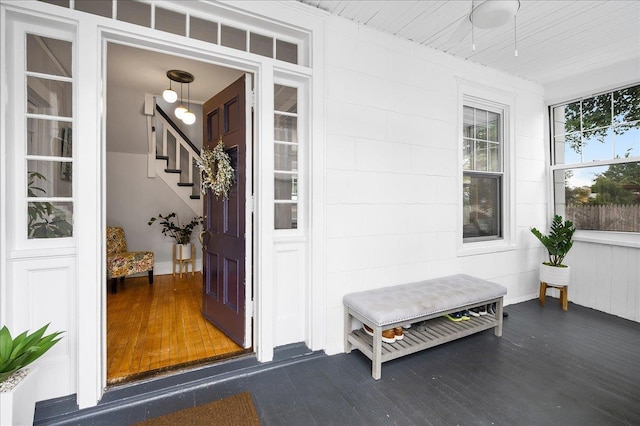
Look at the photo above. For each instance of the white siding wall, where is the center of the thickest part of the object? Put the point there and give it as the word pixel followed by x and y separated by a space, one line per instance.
pixel 392 169
pixel 605 277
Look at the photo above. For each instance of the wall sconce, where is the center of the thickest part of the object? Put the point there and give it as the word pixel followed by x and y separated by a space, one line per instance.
pixel 181 112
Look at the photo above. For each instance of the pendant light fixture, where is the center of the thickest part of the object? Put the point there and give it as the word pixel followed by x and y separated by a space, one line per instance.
pixel 169 95
pixel 182 77
pixel 188 117
pixel 493 14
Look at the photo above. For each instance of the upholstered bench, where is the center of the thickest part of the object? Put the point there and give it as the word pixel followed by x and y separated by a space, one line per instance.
pixel 430 300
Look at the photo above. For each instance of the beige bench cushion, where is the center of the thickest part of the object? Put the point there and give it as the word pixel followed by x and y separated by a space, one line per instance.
pixel 405 302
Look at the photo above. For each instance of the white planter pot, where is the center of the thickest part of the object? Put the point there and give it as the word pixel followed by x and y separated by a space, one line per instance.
pixel 183 251
pixel 555 276
pixel 18 405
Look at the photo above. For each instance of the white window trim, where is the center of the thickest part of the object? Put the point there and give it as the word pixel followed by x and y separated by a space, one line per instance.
pixel 482 96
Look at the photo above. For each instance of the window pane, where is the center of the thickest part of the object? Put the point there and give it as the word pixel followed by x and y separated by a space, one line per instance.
pixel 597 145
pixel 287 52
pixel 50 220
pixel 48 56
pixel 481 156
pixel 603 198
pixel 95 7
pixel 568 149
pixel 170 21
pixel 467 125
pixel 48 179
pixel 286 216
pixel 134 12
pixel 627 140
pixel 286 99
pixel 234 38
pixel 286 157
pixel 285 128
pixel 481 206
pixel 63 3
pixel 49 97
pixel 626 104
pixel 494 157
pixel 261 45
pixel 286 186
pixel 203 30
pixel 596 112
pixel 566 118
pixel 48 137
pixel 493 127
pixel 481 124
pixel 468 159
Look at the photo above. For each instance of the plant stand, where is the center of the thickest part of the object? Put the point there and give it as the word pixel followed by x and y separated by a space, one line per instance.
pixel 183 263
pixel 564 294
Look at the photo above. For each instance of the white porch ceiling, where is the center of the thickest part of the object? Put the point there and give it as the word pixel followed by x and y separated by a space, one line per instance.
pixel 555 38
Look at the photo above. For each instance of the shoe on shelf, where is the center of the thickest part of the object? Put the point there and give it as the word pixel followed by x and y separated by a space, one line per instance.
pixel 406 326
pixel 422 326
pixel 483 310
pixel 455 316
pixel 399 334
pixel 465 315
pixel 474 312
pixel 368 330
pixel 388 336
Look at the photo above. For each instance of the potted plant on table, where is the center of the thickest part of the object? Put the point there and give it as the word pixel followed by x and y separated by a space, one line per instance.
pixel 558 243
pixel 181 233
pixel 17 384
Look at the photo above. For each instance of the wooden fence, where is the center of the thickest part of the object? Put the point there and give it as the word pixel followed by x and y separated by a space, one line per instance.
pixel 613 217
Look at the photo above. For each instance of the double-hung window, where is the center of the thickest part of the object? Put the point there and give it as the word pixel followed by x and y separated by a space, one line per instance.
pixel 596 160
pixel 483 173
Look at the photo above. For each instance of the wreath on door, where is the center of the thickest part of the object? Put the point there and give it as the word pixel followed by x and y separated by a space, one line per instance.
pixel 216 170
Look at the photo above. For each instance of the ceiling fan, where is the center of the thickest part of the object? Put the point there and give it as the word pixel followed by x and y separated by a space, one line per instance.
pixel 486 14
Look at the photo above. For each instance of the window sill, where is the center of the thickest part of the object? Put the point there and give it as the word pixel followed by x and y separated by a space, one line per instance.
pixel 484 247
pixel 623 239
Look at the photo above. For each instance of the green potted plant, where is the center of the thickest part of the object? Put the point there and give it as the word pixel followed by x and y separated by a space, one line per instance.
pixel 558 243
pixel 17 384
pixel 181 233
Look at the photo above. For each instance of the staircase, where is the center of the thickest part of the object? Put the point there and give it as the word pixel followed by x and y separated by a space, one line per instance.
pixel 172 156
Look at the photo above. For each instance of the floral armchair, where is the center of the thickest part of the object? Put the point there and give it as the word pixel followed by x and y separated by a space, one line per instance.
pixel 121 262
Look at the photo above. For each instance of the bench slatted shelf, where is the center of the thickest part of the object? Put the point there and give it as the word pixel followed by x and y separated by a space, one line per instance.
pixel 428 300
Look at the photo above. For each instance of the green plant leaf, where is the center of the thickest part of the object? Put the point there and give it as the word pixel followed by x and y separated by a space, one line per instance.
pixel 6 343
pixel 23 349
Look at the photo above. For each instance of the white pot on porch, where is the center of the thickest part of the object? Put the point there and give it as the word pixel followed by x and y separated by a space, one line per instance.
pixel 555 276
pixel 183 251
pixel 18 405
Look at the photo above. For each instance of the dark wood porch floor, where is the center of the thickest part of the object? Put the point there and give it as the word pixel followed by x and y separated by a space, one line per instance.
pixel 580 367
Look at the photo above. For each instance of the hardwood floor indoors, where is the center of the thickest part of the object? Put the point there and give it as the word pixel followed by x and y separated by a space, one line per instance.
pixel 154 328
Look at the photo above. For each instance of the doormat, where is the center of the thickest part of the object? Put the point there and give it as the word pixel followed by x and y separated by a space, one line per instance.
pixel 236 410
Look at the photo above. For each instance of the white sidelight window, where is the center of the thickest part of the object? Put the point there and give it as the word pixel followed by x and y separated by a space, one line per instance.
pixel 286 160
pixel 596 160
pixel 49 137
pixel 483 173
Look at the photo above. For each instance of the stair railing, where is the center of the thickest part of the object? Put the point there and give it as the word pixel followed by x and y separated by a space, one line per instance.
pixel 163 123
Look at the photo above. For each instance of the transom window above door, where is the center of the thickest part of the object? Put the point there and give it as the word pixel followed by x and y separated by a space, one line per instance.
pixel 179 21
